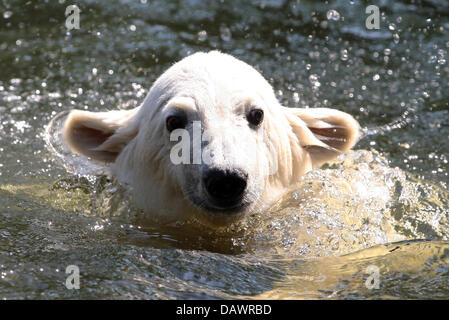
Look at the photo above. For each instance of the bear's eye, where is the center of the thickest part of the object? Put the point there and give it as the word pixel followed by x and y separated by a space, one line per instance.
pixel 255 117
pixel 175 122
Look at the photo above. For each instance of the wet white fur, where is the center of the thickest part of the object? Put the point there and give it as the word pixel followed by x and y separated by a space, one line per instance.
pixel 218 90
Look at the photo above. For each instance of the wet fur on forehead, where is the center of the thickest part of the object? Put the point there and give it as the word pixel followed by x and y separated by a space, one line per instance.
pixel 207 78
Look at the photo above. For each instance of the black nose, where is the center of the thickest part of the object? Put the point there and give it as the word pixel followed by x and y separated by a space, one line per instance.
pixel 225 187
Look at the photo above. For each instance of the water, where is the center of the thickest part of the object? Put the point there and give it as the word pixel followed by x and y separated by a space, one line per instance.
pixel 384 205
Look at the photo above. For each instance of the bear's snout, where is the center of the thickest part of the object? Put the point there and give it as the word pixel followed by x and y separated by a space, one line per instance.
pixel 225 188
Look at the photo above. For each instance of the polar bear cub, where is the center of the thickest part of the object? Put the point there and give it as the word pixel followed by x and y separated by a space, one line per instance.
pixel 210 140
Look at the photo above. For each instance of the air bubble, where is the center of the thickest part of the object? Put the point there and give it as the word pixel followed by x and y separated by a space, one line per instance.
pixel 333 15
pixel 313 78
pixel 296 97
pixel 225 33
pixel 202 35
pixel 396 38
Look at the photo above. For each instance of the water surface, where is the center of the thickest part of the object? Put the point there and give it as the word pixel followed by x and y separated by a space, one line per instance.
pixel 384 205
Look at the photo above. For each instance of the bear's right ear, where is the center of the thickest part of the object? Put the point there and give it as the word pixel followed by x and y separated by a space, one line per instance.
pixel 324 133
pixel 100 135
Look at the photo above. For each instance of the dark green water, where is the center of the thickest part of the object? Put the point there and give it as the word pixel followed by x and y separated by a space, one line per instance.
pixel 395 81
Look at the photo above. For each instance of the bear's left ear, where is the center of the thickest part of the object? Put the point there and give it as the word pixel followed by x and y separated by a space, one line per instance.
pixel 100 135
pixel 324 133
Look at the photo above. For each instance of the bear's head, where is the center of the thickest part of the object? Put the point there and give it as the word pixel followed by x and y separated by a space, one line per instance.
pixel 210 140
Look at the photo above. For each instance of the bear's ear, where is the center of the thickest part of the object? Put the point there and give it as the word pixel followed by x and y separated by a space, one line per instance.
pixel 100 135
pixel 324 133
